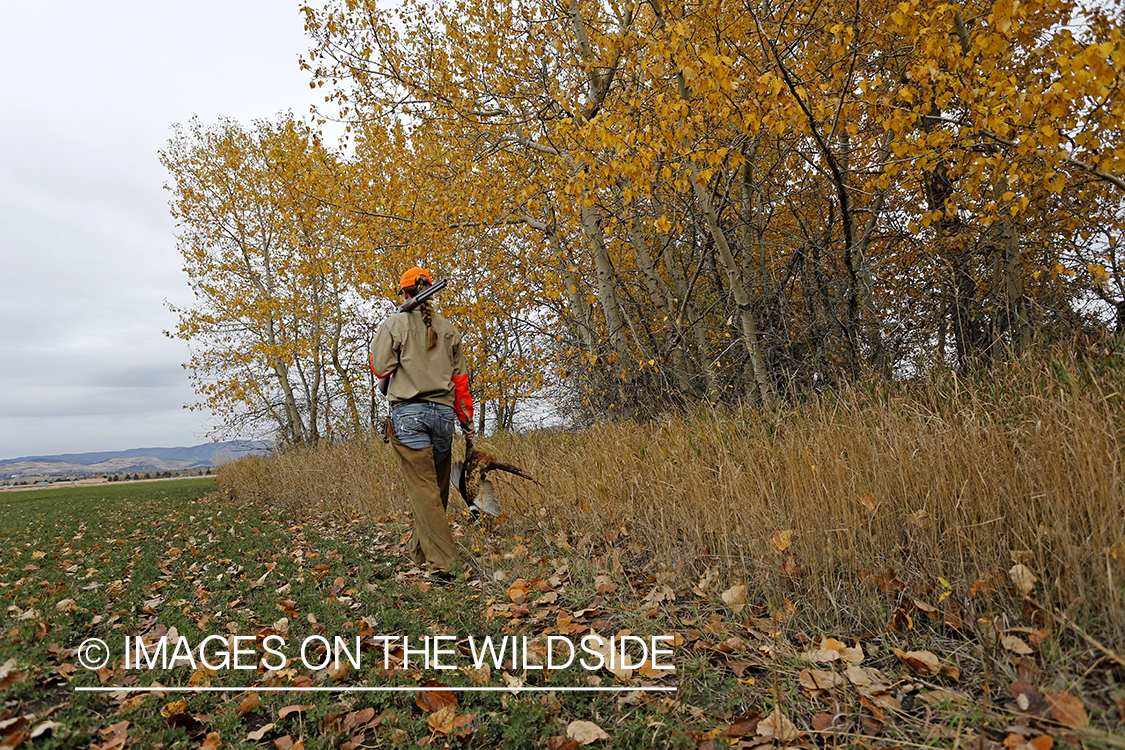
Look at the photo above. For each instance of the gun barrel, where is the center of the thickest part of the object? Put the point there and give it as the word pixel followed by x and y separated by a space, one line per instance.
pixel 422 296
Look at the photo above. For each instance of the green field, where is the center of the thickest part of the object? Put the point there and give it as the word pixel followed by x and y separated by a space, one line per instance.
pixel 135 560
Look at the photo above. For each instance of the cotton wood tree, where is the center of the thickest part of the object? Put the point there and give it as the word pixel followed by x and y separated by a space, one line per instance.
pixel 726 200
pixel 1007 106
pixel 277 328
pixel 479 85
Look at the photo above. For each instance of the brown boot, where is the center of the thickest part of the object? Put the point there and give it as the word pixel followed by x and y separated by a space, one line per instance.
pixel 432 540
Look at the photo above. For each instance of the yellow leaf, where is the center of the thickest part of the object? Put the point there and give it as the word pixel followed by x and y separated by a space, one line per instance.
pixel 781 540
pixel 173 709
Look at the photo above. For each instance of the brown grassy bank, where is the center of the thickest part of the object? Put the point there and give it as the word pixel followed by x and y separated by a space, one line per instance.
pixel 943 481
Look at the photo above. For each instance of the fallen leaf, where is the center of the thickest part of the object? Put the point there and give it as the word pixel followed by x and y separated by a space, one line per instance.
pixel 211 742
pixel 1016 645
pixel 446 722
pixel 1023 578
pixel 248 704
pixel 735 597
pixel 887 582
pixel 648 670
pixel 567 626
pixel 337 672
pixel 259 733
pixel 830 650
pixel 295 708
pixel 64 670
pixel 479 676
pixel 13 731
pixel 173 709
pixel 950 671
pixel 43 728
pixel 659 594
pixel 1035 635
pixel 585 732
pixel 746 726
pixel 874 719
pixel 924 663
pixel 359 718
pixel 870 683
pixel 826 722
pixel 604 584
pixel 781 540
pixel 517 592
pixel 114 735
pixel 778 727
pixel 1018 742
pixel 134 700
pixel 818 681
pixel 441 720
pixel 199 678
pixel 9 675
pixel 708 581
pixel 1068 710
pixel 431 701
pixel 900 620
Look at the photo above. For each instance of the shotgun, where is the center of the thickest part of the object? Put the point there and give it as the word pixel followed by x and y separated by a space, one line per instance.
pixel 408 306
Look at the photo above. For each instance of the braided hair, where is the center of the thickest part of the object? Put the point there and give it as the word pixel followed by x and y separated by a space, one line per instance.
pixel 427 309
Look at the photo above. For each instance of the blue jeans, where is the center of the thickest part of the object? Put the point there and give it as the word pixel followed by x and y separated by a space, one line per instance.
pixel 423 424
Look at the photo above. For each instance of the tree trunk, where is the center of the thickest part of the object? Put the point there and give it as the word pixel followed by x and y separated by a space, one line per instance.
pixel 758 372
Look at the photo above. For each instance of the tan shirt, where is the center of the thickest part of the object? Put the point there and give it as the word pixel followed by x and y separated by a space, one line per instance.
pixel 419 373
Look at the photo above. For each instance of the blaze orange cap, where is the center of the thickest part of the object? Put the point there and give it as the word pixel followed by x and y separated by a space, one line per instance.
pixel 411 277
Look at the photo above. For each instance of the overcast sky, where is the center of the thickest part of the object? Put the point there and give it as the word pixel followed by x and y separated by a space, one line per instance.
pixel 90 92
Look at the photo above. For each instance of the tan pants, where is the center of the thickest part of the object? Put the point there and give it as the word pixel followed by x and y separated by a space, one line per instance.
pixel 427 485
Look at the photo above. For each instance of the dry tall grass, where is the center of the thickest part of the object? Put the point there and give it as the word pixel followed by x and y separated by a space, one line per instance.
pixel 943 479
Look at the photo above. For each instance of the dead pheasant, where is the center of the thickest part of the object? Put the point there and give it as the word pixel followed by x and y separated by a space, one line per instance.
pixel 472 482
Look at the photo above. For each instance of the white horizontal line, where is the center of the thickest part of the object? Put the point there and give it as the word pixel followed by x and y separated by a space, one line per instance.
pixel 362 689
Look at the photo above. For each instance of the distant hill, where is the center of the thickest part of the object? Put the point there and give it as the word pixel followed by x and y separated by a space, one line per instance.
pixel 133 461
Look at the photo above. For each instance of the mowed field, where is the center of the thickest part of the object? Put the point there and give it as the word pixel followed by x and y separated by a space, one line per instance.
pixel 907 566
